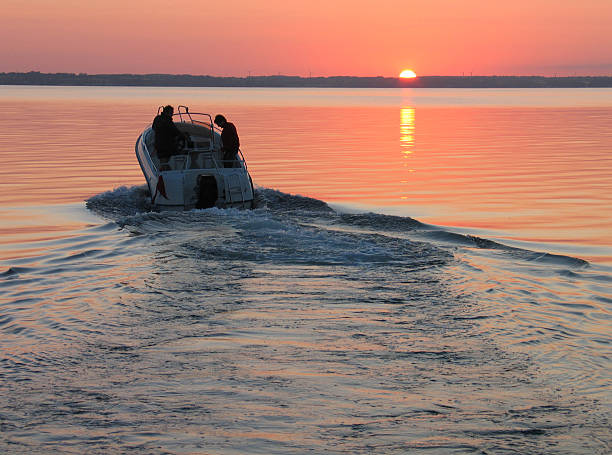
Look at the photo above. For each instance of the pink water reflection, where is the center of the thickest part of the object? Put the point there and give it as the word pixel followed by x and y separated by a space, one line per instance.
pixel 540 174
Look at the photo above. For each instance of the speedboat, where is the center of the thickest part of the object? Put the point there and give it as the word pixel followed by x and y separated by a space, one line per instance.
pixel 197 176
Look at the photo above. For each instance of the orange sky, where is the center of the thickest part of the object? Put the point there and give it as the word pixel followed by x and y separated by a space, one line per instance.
pixel 302 37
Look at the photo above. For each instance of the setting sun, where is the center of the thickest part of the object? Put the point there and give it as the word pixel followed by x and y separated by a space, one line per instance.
pixel 407 74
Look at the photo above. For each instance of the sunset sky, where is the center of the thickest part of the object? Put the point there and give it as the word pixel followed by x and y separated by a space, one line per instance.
pixel 303 37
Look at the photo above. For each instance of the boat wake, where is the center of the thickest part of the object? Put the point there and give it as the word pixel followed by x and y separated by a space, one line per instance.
pixel 131 205
pixel 216 319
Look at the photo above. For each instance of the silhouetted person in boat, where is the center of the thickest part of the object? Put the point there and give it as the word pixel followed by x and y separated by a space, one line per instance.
pixel 166 135
pixel 229 137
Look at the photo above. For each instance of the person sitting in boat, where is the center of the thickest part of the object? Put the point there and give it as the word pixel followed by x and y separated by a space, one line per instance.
pixel 229 137
pixel 166 135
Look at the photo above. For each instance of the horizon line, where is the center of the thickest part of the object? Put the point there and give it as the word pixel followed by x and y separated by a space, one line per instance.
pixel 249 76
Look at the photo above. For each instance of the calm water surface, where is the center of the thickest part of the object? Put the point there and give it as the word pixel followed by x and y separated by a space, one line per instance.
pixel 426 271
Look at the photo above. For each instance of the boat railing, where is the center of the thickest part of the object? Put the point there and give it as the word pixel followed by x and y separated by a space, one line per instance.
pixel 203 159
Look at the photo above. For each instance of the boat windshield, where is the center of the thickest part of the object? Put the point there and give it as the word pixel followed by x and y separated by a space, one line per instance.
pixel 197 118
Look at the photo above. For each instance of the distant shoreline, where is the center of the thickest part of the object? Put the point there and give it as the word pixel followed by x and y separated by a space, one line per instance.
pixel 186 80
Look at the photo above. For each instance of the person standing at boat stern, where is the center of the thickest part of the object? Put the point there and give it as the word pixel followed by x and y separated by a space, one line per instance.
pixel 229 137
pixel 166 134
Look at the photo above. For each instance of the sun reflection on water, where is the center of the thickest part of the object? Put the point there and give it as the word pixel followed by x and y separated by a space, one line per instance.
pixel 407 127
pixel 407 121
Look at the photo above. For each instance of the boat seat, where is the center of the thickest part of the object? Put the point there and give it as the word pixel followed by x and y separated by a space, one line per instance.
pixel 197 160
pixel 208 161
pixel 201 144
pixel 204 160
pixel 177 162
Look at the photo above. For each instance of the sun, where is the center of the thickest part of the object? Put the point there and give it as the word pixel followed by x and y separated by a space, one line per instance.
pixel 407 74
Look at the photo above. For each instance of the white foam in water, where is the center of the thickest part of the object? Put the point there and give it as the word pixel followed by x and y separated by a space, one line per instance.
pixel 293 328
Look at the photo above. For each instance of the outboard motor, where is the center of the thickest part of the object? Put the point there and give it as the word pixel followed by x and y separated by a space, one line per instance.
pixel 207 191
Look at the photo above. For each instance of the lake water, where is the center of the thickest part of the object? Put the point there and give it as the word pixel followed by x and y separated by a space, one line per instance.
pixel 426 271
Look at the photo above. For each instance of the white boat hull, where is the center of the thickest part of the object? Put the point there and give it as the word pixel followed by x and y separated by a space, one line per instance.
pixel 196 178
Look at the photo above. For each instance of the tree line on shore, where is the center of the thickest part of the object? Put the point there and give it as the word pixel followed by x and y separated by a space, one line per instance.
pixel 187 80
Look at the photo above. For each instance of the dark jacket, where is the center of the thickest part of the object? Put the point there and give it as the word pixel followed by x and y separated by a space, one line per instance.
pixel 229 136
pixel 166 133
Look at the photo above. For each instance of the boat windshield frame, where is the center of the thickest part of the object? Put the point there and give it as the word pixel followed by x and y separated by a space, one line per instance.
pixel 185 116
